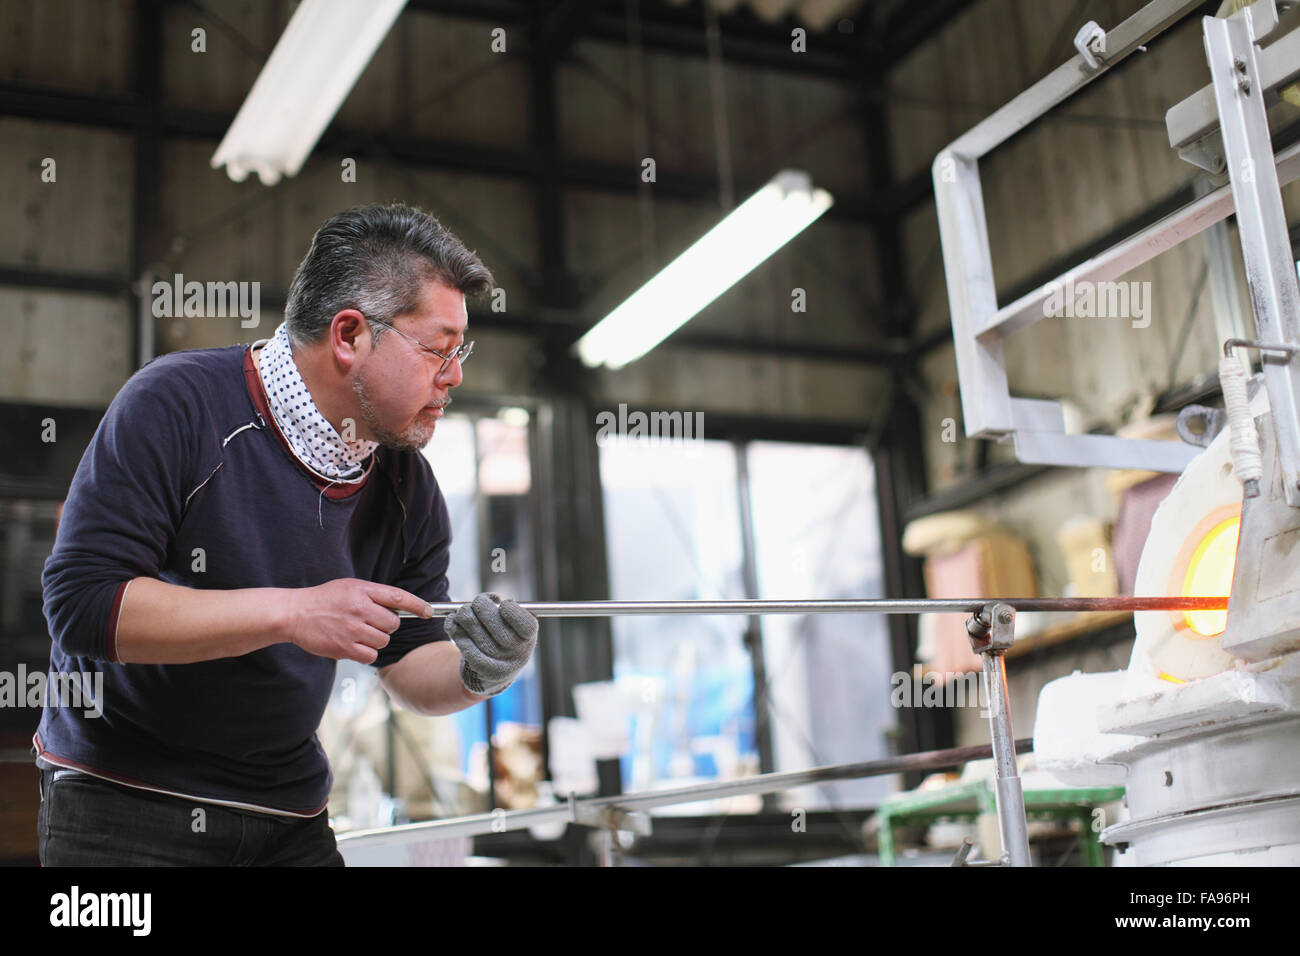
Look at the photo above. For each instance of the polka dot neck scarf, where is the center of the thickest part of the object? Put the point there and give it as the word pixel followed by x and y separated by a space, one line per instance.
pixel 312 438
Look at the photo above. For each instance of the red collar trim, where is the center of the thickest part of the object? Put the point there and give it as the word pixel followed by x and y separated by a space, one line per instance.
pixel 257 392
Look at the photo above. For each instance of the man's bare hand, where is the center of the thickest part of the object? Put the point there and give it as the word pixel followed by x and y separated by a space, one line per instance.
pixel 348 619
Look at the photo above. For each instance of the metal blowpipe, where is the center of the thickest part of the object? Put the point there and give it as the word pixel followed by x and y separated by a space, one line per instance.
pixel 864 606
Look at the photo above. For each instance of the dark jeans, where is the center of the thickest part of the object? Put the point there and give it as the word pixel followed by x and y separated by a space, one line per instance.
pixel 85 821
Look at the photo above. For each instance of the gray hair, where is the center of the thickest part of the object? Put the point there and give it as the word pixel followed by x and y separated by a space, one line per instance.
pixel 376 259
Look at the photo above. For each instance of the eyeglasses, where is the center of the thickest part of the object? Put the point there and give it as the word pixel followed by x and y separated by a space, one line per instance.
pixel 460 354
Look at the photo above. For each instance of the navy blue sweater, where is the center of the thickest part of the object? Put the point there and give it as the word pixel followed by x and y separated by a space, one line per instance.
pixel 188 457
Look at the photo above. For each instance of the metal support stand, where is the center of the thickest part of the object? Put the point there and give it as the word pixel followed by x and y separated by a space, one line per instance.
pixel 992 632
pixel 611 820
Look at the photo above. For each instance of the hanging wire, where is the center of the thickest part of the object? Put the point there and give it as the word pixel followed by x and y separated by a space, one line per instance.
pixel 639 81
pixel 717 87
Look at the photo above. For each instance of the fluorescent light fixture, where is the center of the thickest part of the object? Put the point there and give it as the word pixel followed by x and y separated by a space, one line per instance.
pixel 754 230
pixel 310 72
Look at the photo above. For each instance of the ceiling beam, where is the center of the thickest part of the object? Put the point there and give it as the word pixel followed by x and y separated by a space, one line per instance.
pixel 562 331
pixel 562 26
pixel 127 112
pixel 745 39
pixel 912 25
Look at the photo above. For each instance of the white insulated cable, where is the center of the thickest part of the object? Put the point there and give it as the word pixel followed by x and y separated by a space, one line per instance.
pixel 1243 444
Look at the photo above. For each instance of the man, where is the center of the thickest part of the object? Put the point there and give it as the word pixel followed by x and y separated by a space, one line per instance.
pixel 244 518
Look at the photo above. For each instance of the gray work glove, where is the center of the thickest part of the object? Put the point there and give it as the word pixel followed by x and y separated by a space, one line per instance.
pixel 496 638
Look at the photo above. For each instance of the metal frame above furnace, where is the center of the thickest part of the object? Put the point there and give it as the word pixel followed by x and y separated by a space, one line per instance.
pixel 1222 127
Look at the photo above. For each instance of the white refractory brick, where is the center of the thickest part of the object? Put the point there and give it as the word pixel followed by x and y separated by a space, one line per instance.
pixel 1067 741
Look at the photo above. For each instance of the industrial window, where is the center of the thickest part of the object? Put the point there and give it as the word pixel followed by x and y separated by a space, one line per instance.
pixel 817 536
pixel 675 518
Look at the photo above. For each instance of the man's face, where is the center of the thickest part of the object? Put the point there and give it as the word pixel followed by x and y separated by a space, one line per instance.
pixel 398 385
